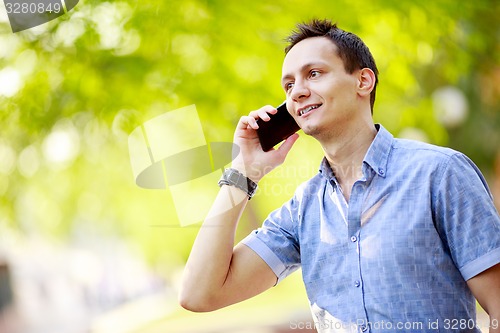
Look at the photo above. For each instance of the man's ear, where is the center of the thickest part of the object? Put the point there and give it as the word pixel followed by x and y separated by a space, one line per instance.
pixel 366 81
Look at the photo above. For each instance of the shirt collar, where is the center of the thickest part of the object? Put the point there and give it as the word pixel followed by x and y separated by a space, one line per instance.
pixel 325 170
pixel 376 157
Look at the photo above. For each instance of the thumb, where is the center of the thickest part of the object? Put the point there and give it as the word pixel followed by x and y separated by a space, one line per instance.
pixel 287 145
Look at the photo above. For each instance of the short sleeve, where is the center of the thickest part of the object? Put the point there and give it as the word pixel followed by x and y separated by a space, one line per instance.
pixel 276 242
pixel 466 218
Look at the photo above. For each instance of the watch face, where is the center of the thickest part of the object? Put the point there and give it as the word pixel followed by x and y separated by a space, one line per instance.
pixel 235 178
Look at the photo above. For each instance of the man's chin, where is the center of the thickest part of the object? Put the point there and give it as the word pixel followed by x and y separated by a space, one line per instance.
pixel 311 130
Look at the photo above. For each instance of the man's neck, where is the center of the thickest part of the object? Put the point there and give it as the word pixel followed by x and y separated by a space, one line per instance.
pixel 346 150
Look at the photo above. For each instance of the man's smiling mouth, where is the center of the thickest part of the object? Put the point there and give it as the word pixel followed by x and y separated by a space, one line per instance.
pixel 308 109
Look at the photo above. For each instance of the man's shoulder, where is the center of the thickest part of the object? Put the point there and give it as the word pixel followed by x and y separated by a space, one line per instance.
pixel 419 149
pixel 425 158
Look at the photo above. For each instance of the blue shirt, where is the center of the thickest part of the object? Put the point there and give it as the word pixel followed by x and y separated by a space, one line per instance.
pixel 396 257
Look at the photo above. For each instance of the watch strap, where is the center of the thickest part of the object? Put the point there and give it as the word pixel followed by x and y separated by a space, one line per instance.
pixel 233 177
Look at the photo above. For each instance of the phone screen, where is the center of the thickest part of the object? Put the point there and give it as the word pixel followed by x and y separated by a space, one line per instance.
pixel 278 128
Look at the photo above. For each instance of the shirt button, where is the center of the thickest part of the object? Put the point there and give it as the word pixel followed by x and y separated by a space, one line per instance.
pixel 357 283
pixel 354 239
pixel 363 328
pixel 381 171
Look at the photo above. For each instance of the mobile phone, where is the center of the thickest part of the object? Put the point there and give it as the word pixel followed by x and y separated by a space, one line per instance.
pixel 278 128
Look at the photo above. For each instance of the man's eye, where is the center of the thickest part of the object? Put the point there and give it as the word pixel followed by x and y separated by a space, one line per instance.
pixel 288 86
pixel 314 73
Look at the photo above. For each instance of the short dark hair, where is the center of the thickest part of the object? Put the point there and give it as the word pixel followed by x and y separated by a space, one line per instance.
pixel 351 49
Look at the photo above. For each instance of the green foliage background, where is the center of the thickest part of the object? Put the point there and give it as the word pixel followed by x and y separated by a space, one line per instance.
pixel 106 67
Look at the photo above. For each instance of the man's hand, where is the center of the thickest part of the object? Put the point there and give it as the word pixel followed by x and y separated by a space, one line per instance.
pixel 252 160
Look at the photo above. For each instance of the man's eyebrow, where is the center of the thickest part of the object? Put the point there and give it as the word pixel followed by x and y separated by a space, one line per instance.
pixel 302 69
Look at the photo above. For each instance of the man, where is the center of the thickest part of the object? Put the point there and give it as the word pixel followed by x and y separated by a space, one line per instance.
pixel 391 235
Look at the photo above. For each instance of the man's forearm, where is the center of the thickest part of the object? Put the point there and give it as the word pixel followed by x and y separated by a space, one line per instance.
pixel 210 259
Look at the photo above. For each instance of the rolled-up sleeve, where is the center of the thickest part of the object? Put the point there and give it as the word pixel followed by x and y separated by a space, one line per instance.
pixel 276 241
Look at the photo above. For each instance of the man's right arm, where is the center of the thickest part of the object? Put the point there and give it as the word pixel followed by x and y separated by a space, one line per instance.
pixel 218 273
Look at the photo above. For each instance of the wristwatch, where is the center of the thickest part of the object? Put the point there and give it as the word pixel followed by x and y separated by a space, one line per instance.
pixel 233 177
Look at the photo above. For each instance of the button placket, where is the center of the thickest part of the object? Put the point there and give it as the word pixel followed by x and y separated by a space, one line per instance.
pixel 353 240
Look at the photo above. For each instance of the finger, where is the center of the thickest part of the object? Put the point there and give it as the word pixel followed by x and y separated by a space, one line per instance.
pixel 273 111
pixel 263 112
pixel 254 114
pixel 247 122
pixel 288 144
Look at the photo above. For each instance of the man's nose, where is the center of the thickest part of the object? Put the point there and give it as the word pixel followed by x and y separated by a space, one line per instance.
pixel 300 90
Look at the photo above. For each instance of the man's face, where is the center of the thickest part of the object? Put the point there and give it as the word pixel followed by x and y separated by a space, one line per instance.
pixel 321 95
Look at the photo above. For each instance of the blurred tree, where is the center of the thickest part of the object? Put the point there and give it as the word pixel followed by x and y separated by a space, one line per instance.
pixel 73 89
